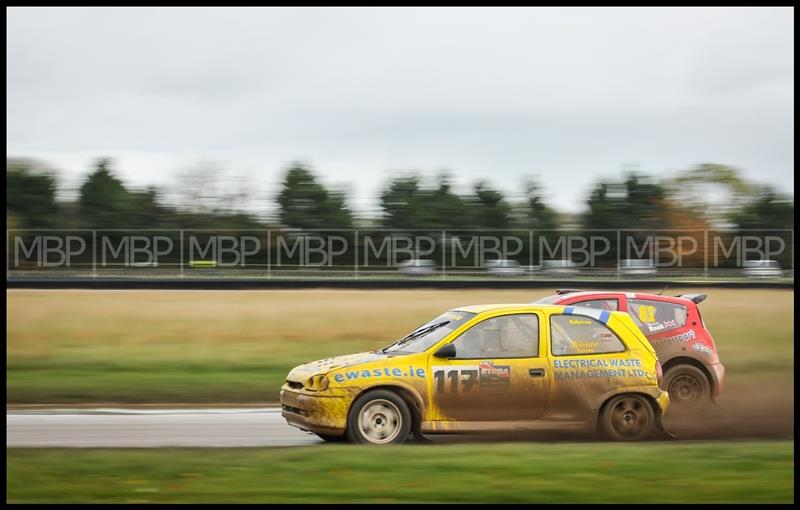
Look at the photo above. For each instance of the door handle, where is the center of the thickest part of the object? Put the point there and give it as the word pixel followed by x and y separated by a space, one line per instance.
pixel 536 372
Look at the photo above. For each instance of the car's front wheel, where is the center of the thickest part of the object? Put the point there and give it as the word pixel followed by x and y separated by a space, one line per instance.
pixel 627 418
pixel 688 388
pixel 379 417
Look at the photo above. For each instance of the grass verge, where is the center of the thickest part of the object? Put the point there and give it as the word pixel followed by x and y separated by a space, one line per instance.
pixel 70 346
pixel 556 472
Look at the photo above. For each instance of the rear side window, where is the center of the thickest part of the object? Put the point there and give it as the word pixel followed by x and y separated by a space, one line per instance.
pixel 657 316
pixel 577 334
pixel 600 304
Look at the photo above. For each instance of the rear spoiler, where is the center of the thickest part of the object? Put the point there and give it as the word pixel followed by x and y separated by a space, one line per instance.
pixel 695 298
pixel 567 291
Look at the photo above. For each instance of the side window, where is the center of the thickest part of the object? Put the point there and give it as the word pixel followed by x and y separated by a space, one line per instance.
pixel 578 334
pixel 507 336
pixel 600 304
pixel 656 316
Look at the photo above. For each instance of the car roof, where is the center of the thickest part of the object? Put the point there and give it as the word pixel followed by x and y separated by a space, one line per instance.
pixel 588 293
pixel 629 295
pixel 501 306
pixel 601 315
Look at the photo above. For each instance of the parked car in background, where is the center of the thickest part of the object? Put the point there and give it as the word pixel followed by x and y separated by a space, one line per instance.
pixel 637 267
pixel 762 269
pixel 504 267
pixel 417 267
pixel 559 267
pixel 693 373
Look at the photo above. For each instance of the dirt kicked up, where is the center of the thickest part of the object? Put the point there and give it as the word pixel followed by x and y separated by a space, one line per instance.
pixel 205 347
pixel 766 411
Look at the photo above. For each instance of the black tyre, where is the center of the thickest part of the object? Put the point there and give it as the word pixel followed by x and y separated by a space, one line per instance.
pixel 379 417
pixel 688 387
pixel 628 418
pixel 332 439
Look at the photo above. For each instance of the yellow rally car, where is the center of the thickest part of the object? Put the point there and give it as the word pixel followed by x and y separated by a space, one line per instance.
pixel 487 368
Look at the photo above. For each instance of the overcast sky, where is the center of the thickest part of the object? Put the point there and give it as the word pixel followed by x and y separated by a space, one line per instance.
pixel 570 95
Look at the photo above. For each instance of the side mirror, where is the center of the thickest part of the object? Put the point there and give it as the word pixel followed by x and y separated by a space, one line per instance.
pixel 446 351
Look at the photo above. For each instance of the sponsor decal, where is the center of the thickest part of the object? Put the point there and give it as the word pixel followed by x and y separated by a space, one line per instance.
pixel 683 337
pixel 658 326
pixel 582 346
pixel 569 369
pixel 379 372
pixel 592 363
pixel 580 322
pixel 703 348
pixel 494 376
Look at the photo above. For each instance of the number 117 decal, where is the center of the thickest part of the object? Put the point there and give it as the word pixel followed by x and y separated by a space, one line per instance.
pixel 447 378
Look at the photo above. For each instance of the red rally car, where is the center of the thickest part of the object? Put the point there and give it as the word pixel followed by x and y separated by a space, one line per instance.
pixel 693 374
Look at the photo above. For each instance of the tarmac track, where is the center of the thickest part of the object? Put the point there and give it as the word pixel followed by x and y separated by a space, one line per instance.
pixel 264 427
pixel 124 428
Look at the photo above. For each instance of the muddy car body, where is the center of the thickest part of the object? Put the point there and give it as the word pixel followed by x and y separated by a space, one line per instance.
pixel 487 368
pixel 693 373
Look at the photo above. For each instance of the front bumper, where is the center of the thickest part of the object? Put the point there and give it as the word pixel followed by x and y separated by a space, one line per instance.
pixel 717 371
pixel 319 412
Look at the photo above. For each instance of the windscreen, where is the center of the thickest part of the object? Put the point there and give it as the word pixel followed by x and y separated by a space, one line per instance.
pixel 425 336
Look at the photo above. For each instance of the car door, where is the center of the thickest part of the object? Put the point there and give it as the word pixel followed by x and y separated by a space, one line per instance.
pixel 589 359
pixel 499 372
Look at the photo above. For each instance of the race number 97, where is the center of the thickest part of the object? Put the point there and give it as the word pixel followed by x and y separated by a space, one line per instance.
pixel 449 377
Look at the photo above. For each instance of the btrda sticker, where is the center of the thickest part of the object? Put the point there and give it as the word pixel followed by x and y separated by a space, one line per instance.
pixel 494 376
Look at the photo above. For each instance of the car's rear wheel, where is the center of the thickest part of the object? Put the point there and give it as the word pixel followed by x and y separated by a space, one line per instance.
pixel 379 417
pixel 627 418
pixel 688 388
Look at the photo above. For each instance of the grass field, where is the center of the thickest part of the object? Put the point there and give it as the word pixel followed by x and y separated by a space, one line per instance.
pixel 237 346
pixel 560 472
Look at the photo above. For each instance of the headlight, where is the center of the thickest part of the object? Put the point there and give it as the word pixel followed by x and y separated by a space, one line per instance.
pixel 317 383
